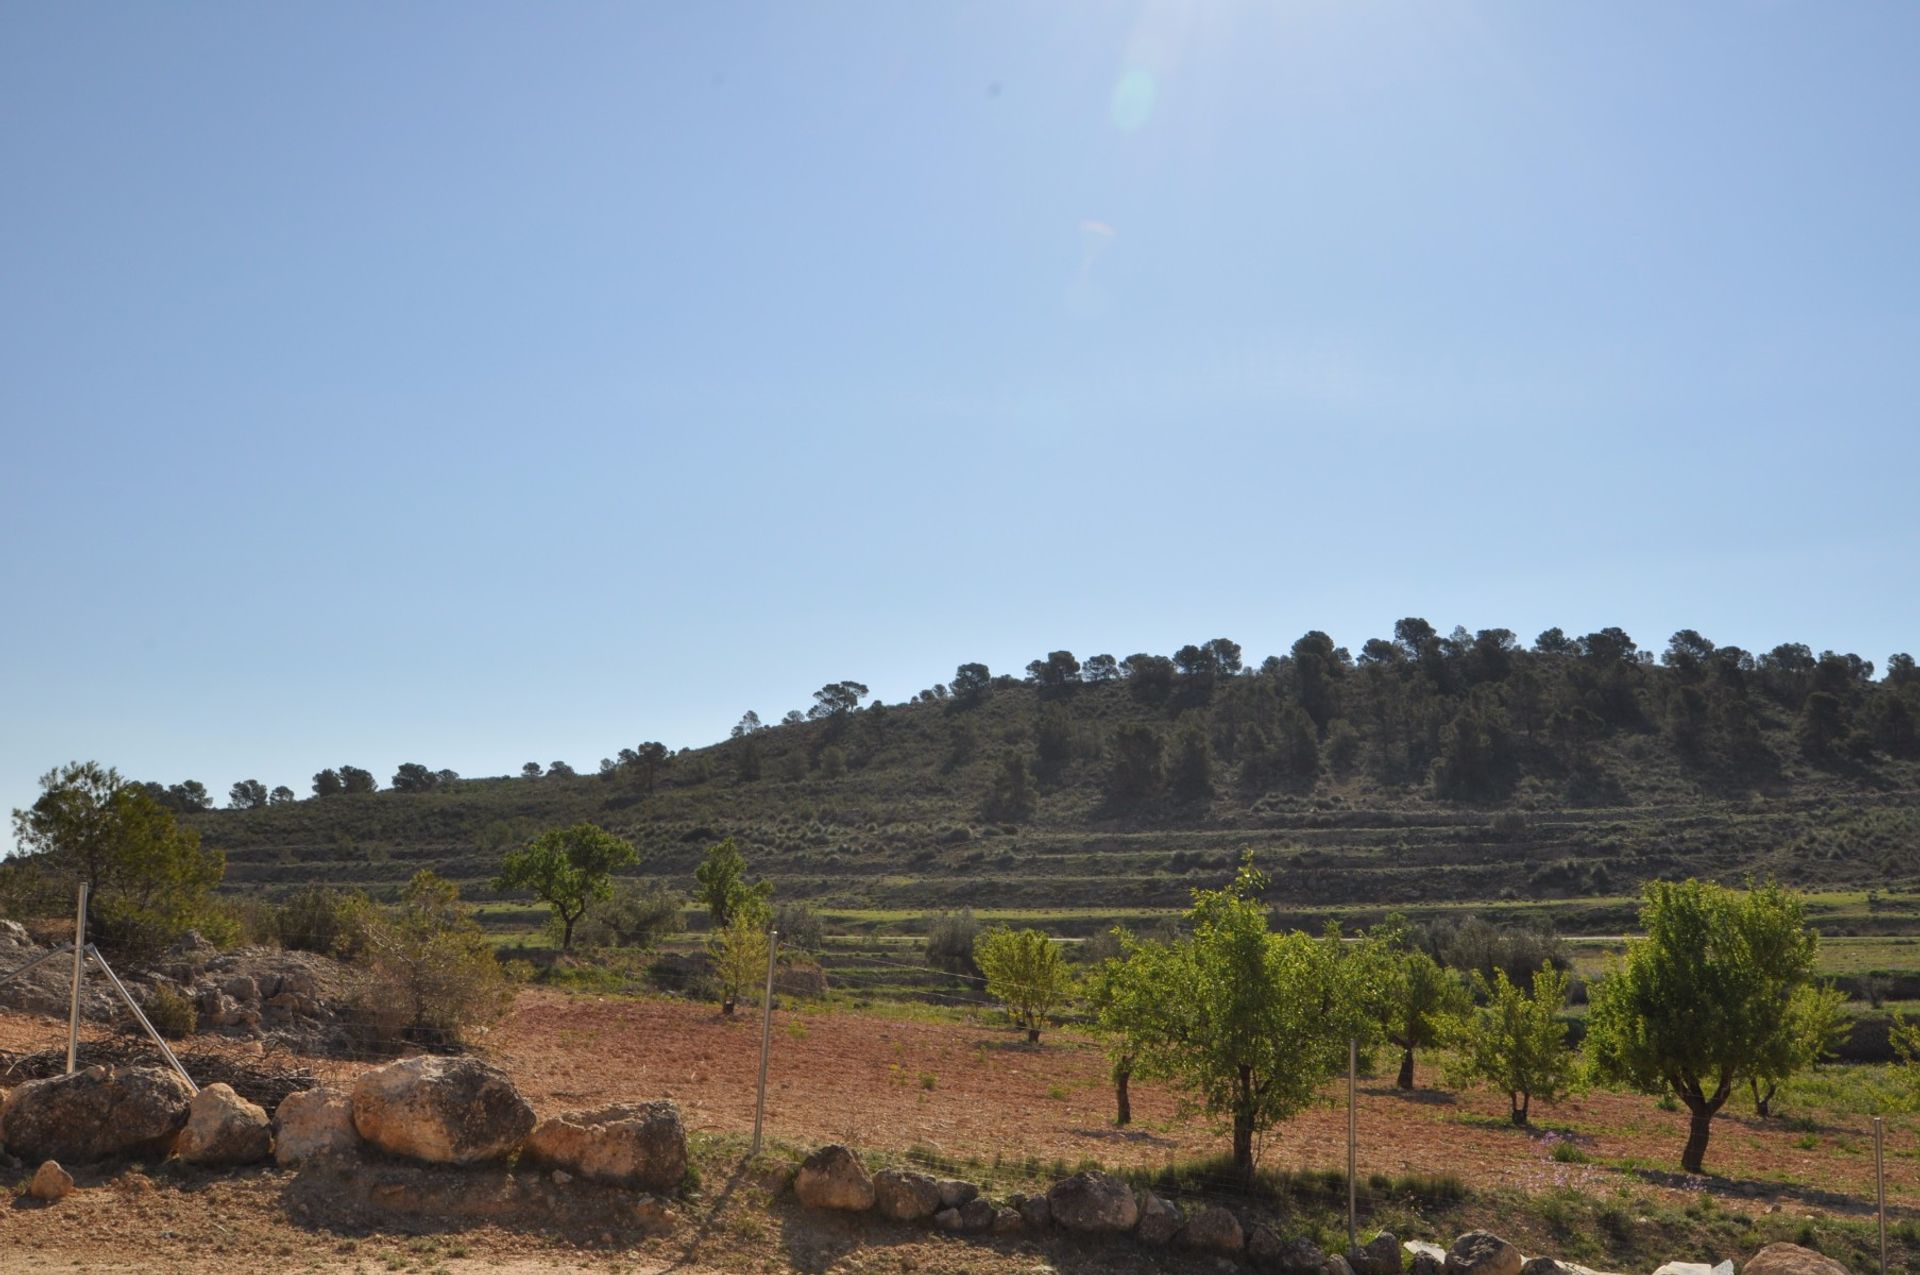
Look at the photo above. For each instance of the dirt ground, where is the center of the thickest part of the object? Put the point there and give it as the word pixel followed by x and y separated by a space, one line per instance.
pixel 888 1085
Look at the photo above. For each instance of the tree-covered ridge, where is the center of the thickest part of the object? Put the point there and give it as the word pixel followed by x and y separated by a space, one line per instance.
pixel 1425 766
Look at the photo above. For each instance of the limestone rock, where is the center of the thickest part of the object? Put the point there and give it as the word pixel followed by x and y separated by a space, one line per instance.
pixel 1297 1256
pixel 1792 1259
pixel 1008 1221
pixel 50 1182
pixel 626 1143
pixel 96 1113
pixel 224 1128
pixel 441 1110
pixel 1093 1202
pixel 1482 1253
pixel 655 1215
pixel 977 1215
pixel 905 1196
pixel 1159 1220
pixel 833 1178
pixel 1378 1256
pixel 1336 1265
pixel 1214 1230
pixel 954 1192
pixel 1036 1212
pixel 313 1122
pixel 1426 1263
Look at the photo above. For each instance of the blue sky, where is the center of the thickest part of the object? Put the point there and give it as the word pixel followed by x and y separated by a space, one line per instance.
pixel 476 383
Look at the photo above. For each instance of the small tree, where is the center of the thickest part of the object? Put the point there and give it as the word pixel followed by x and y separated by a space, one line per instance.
pixel 1026 973
pixel 951 937
pixel 353 779
pixel 724 887
pixel 1816 1022
pixel 971 683
pixel 248 794
pixel 739 952
pixel 1421 1004
pixel 632 916
pixel 326 783
pixel 1703 1002
pixel 1906 1047
pixel 1124 993
pixel 531 770
pixel 1517 1042
pixel 569 869
pixel 280 796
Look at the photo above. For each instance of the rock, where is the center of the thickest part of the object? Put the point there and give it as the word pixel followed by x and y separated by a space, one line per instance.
pixel 976 1215
pixel 1482 1253
pixel 1416 1247
pixel 655 1215
pixel 1791 1259
pixel 441 1110
pixel 1159 1220
pixel 224 1128
pixel 1542 1266
pixel 313 1122
pixel 1337 1265
pixel 96 1113
pixel 15 933
pixel 1008 1221
pixel 954 1192
pixel 625 1143
pixel 1214 1230
pixel 1425 1263
pixel 1036 1212
pixel 833 1178
pixel 1700 1268
pixel 50 1182
pixel 243 988
pixel 1093 1202
pixel 905 1196
pixel 1297 1256
pixel 947 1219
pixel 1263 1246
pixel 1378 1256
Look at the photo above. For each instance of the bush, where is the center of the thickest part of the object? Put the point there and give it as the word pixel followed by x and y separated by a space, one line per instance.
pixel 171 1013
pixel 800 927
pixel 430 975
pixel 317 919
pixel 636 916
pixel 950 939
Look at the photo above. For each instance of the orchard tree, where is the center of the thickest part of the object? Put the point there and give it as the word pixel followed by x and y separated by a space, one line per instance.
pixel 1026 973
pixel 1707 1000
pixel 1816 1022
pixel 1419 1003
pixel 1250 1022
pixel 248 794
pixel 724 887
pixel 1518 1043
pixel 1124 993
pixel 739 952
pixel 568 869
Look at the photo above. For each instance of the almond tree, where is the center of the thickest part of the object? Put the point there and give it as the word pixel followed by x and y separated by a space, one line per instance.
pixel 1026 973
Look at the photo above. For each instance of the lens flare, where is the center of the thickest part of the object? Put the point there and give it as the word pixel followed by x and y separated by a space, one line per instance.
pixel 1133 99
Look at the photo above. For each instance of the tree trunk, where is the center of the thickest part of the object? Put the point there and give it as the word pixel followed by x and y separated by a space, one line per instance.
pixel 1763 1102
pixel 566 933
pixel 726 1006
pixel 1520 1104
pixel 1122 1102
pixel 1243 1144
pixel 1693 1158
pixel 1033 1035
pixel 1406 1070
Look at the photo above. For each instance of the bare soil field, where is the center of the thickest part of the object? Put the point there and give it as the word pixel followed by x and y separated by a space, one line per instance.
pixel 972 1093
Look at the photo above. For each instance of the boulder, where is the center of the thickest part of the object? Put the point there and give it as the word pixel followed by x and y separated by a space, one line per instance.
pixel 14 933
pixel 947 1219
pixel 1263 1246
pixel 626 1143
pixel 1791 1259
pixel 1695 1268
pixel 905 1196
pixel 977 1215
pixel 1008 1221
pixel 50 1182
pixel 833 1178
pixel 655 1215
pixel 1036 1212
pixel 1543 1266
pixel 1336 1265
pixel 1297 1256
pixel 441 1110
pixel 1378 1256
pixel 243 988
pixel 1159 1220
pixel 1483 1253
pixel 1214 1230
pixel 954 1192
pixel 96 1113
pixel 224 1128
pixel 1425 1263
pixel 313 1122
pixel 1093 1202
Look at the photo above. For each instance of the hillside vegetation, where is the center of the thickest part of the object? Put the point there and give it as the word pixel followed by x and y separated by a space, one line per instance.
pixel 1424 771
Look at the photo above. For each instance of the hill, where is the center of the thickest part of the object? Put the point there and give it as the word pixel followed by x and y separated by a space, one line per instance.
pixel 1428 771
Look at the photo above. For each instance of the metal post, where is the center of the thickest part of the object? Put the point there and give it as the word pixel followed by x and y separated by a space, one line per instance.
pixel 1880 1184
pixel 1353 1090
pixel 79 968
pixel 119 987
pixel 766 1040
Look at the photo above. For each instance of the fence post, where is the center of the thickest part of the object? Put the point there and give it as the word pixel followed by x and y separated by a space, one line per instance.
pixel 79 969
pixel 1880 1183
pixel 1353 1087
pixel 140 1017
pixel 766 1039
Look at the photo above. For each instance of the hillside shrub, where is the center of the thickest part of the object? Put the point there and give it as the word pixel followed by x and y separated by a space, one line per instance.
pixel 635 916
pixel 171 1013
pixel 430 976
pixel 950 942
